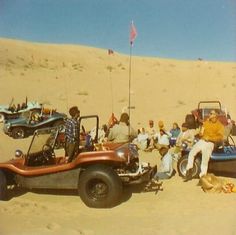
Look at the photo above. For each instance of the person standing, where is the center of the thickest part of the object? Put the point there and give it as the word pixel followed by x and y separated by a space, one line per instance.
pixel 211 133
pixel 72 133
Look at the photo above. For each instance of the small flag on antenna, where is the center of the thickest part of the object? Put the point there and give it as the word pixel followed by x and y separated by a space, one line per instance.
pixel 133 33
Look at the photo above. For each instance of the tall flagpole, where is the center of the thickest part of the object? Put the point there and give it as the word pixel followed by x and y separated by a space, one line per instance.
pixel 110 70
pixel 130 70
pixel 133 34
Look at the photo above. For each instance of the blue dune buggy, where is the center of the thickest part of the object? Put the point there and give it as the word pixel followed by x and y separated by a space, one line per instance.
pixel 222 161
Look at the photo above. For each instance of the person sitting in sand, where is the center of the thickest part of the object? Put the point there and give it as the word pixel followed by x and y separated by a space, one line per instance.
pixel 151 130
pixel 142 139
pixel 161 126
pixel 122 132
pixel 166 170
pixel 162 139
pixel 175 131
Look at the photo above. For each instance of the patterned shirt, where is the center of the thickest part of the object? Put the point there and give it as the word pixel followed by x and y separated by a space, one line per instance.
pixel 71 130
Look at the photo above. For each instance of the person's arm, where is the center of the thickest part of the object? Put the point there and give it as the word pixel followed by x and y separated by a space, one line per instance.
pixel 110 136
pixel 190 137
pixel 201 131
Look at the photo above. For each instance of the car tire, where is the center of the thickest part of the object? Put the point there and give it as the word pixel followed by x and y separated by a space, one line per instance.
pixel 18 133
pixel 100 187
pixel 3 186
pixel 2 117
pixel 182 164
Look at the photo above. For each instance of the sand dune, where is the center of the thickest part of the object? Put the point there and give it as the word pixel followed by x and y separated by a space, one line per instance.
pixel 63 75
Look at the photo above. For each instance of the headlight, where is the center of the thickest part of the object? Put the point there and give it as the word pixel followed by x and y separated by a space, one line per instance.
pixel 121 154
pixel 7 126
pixel 127 151
pixel 184 145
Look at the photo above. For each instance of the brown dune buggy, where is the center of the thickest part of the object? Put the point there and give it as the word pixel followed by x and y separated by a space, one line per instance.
pixel 98 174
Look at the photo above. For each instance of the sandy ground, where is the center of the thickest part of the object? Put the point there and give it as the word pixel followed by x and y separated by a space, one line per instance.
pixel 61 76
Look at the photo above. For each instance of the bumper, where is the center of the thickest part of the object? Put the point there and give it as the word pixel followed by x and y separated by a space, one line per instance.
pixel 144 173
pixel 7 131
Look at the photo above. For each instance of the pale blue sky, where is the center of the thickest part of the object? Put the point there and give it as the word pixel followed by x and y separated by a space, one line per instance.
pixel 180 29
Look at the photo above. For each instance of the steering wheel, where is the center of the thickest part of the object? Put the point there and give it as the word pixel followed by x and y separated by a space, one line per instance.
pixel 48 154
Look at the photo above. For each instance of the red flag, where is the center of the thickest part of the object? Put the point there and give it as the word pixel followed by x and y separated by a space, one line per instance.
pixel 133 33
pixel 112 121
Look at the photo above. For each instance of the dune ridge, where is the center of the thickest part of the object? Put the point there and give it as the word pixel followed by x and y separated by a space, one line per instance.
pixel 64 75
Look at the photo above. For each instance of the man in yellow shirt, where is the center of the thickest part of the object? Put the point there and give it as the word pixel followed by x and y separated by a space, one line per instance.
pixel 212 132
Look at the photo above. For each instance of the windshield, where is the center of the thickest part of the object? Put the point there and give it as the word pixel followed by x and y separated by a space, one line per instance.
pixel 41 138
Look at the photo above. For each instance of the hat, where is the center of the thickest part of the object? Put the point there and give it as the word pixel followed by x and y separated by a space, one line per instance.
pixel 161 124
pixel 73 111
pixel 163 150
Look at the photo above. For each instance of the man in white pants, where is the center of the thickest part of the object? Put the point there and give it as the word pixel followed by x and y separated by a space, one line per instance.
pixel 212 132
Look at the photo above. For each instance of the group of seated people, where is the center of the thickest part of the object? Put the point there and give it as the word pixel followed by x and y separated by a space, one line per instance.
pixel 168 143
pixel 145 139
pixel 152 138
pixel 36 116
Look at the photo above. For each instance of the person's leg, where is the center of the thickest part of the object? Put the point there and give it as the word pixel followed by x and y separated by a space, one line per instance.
pixel 206 154
pixel 161 175
pixel 70 151
pixel 193 152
